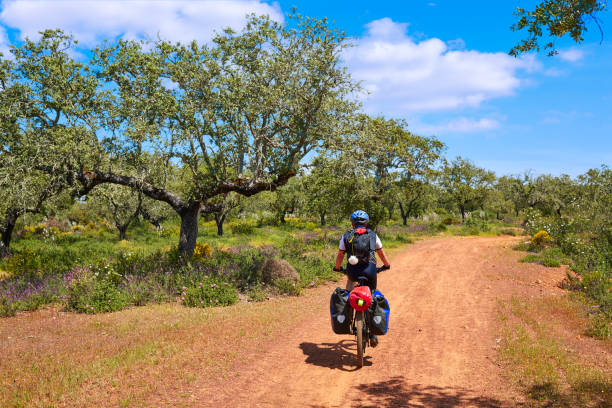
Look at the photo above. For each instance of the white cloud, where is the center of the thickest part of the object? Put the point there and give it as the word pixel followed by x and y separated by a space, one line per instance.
pixel 5 44
pixel 404 75
pixel 571 55
pixel 91 21
pixel 458 125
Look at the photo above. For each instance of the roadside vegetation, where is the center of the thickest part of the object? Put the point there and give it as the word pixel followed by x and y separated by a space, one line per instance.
pixel 88 269
pixel 551 358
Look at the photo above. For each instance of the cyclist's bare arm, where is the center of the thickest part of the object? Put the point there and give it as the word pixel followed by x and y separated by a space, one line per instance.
pixel 339 259
pixel 383 257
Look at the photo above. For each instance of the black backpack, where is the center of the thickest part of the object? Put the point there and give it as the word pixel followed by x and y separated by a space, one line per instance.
pixel 361 242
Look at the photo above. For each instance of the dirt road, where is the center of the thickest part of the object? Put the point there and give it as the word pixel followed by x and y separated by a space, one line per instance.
pixel 440 350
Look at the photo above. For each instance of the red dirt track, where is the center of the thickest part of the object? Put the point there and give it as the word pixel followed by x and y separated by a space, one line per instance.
pixel 440 350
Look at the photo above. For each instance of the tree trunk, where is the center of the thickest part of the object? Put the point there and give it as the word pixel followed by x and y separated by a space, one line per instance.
pixel 219 220
pixel 7 234
pixel 462 208
pixel 390 210
pixel 404 214
pixel 322 218
pixel 189 229
pixel 282 217
pixel 122 231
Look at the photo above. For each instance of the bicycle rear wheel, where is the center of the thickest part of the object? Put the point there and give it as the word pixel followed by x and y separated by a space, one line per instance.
pixel 360 338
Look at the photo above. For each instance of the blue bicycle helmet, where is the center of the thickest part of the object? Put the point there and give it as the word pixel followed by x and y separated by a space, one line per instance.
pixel 360 217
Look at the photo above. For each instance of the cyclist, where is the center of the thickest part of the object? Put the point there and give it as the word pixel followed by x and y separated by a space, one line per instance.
pixel 361 244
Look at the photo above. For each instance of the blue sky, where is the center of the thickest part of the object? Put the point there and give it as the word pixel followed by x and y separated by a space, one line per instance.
pixel 440 64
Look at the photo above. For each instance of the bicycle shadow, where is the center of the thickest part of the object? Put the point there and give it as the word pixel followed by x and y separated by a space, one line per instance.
pixel 397 392
pixel 336 356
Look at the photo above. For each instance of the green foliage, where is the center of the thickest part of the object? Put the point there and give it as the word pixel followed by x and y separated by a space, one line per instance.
pixel 436 227
pixel 312 269
pixel 208 293
pixel 551 262
pixel 257 293
pixel 550 257
pixel 508 231
pixel 286 286
pixel 600 327
pixel 141 291
pixel 450 221
pixel 465 185
pixel 476 223
pixel 88 293
pixel 403 239
pixel 242 227
pixel 597 285
pixel 241 265
pixel 558 18
pixel 7 308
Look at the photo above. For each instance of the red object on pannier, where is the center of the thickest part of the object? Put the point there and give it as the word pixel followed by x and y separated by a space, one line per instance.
pixel 360 298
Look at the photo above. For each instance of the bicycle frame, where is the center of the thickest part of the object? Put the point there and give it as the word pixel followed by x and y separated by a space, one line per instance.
pixel 360 329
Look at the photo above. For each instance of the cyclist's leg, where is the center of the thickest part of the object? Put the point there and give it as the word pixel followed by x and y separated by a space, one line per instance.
pixel 350 285
pixel 370 273
pixel 352 275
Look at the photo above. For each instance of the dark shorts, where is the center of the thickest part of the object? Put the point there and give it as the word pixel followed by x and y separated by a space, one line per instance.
pixel 368 270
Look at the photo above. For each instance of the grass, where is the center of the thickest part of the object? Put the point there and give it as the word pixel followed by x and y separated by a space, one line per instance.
pixel 131 357
pixel 551 257
pixel 547 356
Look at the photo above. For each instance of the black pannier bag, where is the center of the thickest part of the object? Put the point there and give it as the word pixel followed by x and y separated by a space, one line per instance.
pixel 378 314
pixel 341 311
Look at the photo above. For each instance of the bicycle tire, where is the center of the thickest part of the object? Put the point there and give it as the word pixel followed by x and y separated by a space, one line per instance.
pixel 359 335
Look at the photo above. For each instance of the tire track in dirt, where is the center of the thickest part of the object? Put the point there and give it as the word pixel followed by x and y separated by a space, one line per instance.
pixel 439 352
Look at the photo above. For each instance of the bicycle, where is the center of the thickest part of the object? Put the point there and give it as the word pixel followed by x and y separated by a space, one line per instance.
pixel 360 302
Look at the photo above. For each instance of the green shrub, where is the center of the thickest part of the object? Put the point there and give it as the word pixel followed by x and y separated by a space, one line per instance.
pixel 96 296
pixel 87 294
pixel 287 286
pixel 107 270
pixel 508 231
pixel 310 226
pixel 403 239
pixel 551 257
pixel 434 227
pixel 597 285
pixel 451 221
pixel 257 293
pixel 551 262
pixel 472 231
pixel 242 266
pixel 264 221
pixel 7 308
pixel 476 223
pixel 209 293
pixel 531 258
pixel 140 291
pixel 599 327
pixel 242 227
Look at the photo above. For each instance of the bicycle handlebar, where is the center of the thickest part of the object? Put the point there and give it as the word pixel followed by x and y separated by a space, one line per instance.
pixel 378 269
